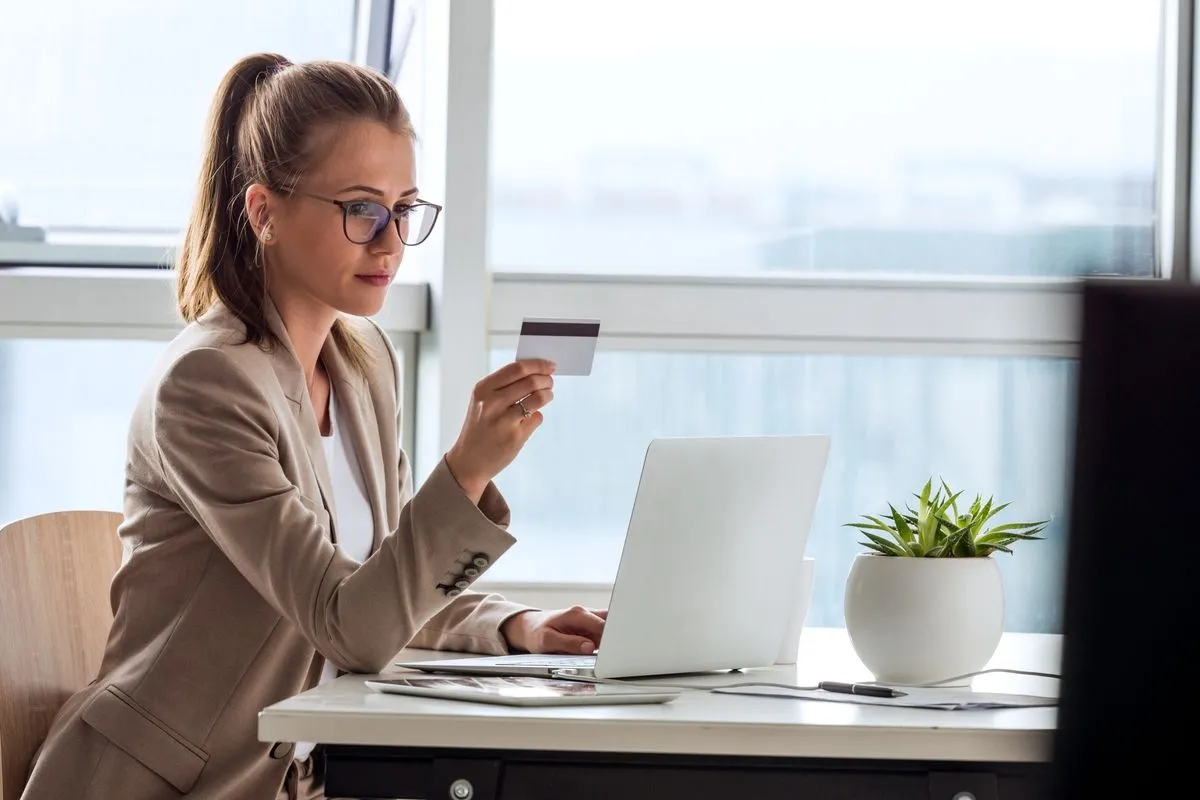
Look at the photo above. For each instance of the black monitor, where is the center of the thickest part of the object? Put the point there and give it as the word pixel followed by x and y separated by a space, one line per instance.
pixel 1130 700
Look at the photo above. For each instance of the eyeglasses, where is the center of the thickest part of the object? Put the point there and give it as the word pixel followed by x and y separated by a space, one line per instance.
pixel 364 220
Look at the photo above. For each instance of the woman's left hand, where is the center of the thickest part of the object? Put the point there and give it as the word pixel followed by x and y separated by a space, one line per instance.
pixel 575 630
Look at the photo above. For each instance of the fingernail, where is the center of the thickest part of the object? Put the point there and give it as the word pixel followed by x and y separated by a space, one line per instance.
pixel 587 648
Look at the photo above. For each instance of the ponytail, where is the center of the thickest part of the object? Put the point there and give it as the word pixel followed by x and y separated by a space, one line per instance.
pixel 218 261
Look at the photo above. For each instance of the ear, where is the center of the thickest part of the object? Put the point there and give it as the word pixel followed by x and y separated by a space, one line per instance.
pixel 260 202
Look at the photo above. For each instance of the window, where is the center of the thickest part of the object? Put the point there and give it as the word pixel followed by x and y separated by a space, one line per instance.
pixel 863 219
pixel 64 415
pixel 108 102
pixel 987 425
pixel 929 136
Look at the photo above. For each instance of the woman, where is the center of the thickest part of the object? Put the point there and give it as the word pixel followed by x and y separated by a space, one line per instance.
pixel 272 532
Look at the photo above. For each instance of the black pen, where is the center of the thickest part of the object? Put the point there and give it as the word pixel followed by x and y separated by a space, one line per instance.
pixel 865 689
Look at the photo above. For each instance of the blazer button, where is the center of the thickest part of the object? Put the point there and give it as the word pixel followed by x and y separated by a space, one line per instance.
pixel 281 749
pixel 454 592
pixel 471 572
pixel 480 560
pixel 461 584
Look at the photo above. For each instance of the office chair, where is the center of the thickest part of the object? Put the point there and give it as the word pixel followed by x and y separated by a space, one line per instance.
pixel 55 571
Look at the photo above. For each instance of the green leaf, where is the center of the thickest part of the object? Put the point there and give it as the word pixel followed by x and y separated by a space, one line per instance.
pixel 1016 526
pixel 885 546
pixel 880 522
pixel 978 516
pixel 875 548
pixel 926 521
pixel 1007 536
pixel 976 504
pixel 895 535
pixel 947 503
pixel 954 543
pixel 906 534
pixel 1028 535
pixel 953 501
pixel 989 511
pixel 874 524
pixel 1033 534
pixel 862 526
pixel 924 530
pixel 947 527
pixel 1004 541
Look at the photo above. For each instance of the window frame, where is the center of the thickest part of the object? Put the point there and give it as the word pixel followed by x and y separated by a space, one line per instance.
pixel 455 309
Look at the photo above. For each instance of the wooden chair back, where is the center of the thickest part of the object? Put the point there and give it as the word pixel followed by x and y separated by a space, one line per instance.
pixel 55 573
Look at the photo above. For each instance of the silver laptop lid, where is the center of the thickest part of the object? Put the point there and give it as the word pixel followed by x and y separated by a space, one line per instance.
pixel 712 556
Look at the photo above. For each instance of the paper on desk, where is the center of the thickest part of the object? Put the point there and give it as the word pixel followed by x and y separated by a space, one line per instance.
pixel 940 699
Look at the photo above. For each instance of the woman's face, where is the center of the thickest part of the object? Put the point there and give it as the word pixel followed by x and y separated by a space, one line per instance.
pixel 310 260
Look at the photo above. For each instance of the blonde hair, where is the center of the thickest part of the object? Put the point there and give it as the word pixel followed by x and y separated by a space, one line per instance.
pixel 260 130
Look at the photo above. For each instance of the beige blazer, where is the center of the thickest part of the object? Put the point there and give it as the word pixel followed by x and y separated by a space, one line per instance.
pixel 233 593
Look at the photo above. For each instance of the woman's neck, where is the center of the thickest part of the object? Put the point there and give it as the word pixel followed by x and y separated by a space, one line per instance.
pixel 308 326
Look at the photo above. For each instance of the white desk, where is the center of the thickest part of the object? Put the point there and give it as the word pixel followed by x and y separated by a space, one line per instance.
pixel 700 745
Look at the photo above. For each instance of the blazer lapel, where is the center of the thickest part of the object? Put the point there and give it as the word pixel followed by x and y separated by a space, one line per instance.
pixel 291 377
pixel 361 424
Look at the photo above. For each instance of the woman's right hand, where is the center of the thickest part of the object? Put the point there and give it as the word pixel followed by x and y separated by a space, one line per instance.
pixel 496 427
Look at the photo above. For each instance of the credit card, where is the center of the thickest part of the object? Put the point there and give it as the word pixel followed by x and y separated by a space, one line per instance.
pixel 569 343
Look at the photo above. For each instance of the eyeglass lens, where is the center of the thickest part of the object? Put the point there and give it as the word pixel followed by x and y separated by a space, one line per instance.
pixel 366 219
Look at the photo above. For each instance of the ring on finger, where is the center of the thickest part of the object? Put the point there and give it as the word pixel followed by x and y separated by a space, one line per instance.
pixel 525 412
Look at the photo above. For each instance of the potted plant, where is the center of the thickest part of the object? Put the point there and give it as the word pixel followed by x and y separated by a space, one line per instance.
pixel 926 602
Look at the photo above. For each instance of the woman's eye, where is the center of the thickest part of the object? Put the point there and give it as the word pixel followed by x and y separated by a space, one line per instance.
pixel 403 212
pixel 360 209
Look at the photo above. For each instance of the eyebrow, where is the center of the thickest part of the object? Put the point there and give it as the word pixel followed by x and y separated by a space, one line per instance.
pixel 358 187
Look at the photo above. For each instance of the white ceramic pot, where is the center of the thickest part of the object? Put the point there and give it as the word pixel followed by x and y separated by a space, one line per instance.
pixel 919 620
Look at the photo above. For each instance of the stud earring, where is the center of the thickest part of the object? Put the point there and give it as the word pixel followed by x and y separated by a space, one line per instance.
pixel 268 236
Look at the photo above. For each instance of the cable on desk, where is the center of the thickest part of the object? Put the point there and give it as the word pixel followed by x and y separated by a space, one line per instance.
pixel 567 675
pixel 951 679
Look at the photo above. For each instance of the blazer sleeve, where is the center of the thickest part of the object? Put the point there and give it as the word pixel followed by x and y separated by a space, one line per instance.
pixel 471 622
pixel 217 440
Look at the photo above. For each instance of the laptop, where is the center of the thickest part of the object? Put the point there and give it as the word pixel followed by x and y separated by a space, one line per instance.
pixel 710 566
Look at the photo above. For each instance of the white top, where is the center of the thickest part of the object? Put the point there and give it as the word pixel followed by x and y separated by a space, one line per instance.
pixel 345 711
pixel 355 523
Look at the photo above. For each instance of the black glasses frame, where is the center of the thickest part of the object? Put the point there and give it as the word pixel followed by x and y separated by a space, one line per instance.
pixel 394 215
